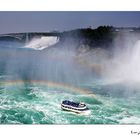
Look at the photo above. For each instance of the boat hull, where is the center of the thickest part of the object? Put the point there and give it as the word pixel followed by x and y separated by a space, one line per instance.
pixel 85 111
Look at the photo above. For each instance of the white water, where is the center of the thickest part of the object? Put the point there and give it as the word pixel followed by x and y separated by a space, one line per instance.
pixel 125 67
pixel 42 43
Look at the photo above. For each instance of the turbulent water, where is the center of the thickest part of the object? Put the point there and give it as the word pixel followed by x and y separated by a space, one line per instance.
pixel 34 83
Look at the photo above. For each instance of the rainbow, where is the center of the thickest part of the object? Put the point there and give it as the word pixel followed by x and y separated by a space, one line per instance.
pixel 63 86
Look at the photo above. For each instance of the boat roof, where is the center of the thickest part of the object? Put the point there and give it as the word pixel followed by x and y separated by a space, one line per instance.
pixel 74 104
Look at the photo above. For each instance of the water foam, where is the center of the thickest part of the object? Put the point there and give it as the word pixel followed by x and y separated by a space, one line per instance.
pixel 130 120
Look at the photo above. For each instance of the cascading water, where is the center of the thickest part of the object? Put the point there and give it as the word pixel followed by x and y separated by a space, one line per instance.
pixel 127 65
pixel 42 43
